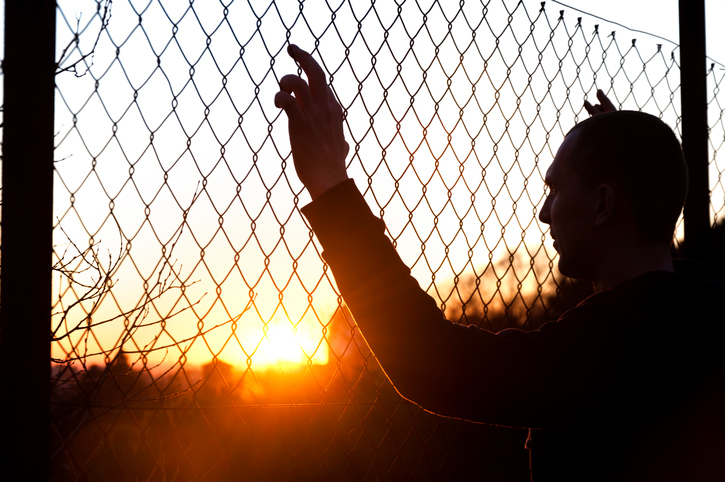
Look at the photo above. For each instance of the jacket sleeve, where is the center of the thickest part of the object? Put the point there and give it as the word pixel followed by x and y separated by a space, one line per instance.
pixel 447 368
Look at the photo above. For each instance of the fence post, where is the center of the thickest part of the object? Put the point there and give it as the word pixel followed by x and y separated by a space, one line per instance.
pixel 27 221
pixel 693 82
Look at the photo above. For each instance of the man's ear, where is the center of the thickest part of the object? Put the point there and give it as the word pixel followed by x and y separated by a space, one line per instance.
pixel 605 202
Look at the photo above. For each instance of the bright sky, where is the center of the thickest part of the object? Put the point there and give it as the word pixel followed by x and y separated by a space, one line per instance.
pixel 220 213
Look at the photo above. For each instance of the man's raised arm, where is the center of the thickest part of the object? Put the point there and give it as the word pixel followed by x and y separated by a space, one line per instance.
pixel 443 366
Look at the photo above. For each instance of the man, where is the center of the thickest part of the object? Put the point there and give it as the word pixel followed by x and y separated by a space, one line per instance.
pixel 626 386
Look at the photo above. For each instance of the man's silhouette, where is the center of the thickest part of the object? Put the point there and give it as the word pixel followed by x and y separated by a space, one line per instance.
pixel 617 388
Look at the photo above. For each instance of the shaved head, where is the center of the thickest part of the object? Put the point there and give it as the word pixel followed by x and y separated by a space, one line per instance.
pixel 641 158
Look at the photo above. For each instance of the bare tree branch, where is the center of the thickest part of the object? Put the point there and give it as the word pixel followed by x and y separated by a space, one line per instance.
pixel 75 42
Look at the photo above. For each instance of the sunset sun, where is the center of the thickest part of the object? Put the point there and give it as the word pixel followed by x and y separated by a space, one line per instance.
pixel 280 342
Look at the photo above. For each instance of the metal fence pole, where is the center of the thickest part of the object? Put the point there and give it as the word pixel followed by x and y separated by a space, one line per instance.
pixel 27 192
pixel 693 80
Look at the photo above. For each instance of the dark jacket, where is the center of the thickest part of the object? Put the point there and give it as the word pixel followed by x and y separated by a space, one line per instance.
pixel 626 386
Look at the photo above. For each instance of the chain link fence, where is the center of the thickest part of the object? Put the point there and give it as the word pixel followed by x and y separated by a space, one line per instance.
pixel 196 331
pixel 716 109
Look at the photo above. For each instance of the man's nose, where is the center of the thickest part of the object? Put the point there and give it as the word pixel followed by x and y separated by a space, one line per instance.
pixel 545 213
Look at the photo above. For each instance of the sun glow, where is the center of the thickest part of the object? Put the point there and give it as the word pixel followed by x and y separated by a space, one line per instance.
pixel 280 342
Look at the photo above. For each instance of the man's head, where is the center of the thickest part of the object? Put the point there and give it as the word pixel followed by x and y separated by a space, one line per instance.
pixel 642 159
pixel 612 167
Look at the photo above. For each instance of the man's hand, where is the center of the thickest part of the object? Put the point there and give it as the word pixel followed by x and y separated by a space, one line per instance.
pixel 318 143
pixel 605 106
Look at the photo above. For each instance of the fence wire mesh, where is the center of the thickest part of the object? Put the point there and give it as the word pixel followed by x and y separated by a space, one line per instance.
pixel 197 333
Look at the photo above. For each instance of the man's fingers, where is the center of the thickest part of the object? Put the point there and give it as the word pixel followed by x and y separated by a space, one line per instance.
pixel 593 110
pixel 315 74
pixel 288 103
pixel 607 105
pixel 296 85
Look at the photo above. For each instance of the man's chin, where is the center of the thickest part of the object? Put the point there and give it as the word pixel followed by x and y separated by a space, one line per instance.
pixel 572 272
pixel 567 270
pixel 563 268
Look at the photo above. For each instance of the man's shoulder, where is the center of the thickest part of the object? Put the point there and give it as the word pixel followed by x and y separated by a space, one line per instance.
pixel 695 270
pixel 654 302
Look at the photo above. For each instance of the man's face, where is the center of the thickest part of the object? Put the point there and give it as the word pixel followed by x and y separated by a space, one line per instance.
pixel 569 211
